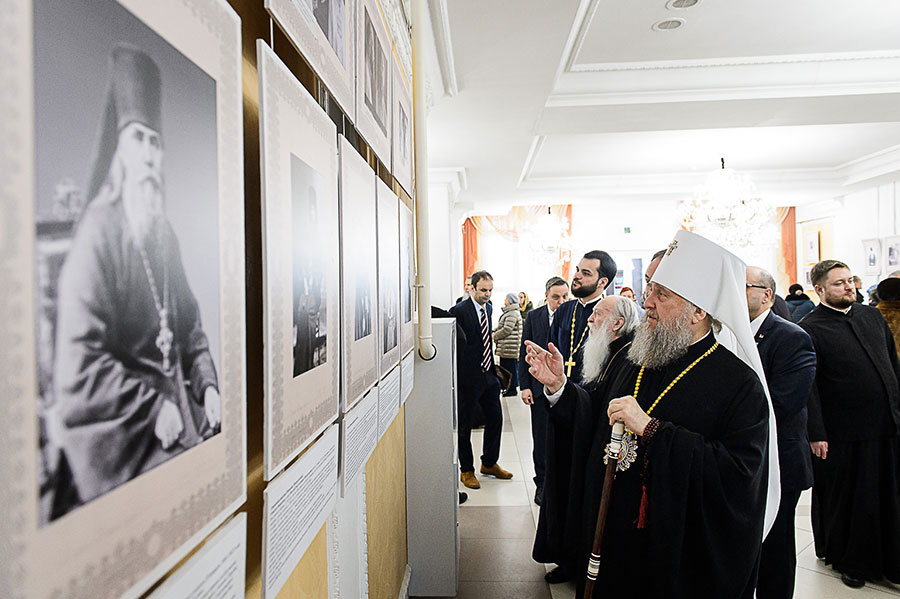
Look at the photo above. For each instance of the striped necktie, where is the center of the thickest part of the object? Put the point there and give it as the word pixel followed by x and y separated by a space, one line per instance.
pixel 486 360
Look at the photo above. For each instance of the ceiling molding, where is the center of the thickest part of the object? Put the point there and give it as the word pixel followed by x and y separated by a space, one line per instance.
pixel 453 179
pixel 875 165
pixel 533 152
pixel 584 17
pixel 440 23
pixel 656 65
pixel 874 73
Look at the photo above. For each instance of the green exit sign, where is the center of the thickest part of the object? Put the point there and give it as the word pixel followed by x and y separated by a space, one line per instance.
pixel 627 230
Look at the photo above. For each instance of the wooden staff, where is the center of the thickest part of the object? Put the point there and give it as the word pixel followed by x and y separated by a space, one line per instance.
pixel 612 462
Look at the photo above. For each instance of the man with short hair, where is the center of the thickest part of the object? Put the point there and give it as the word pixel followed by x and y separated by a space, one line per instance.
pixel 611 327
pixel 134 377
pixel 789 362
pixel 593 274
pixel 857 283
pixel 686 515
pixel 478 383
pixel 854 415
pixel 537 330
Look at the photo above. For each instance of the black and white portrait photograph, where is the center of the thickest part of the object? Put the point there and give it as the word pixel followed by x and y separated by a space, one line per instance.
pixel 330 17
pixel 362 317
pixel 124 294
pixel 388 275
pixel 403 125
pixel 375 74
pixel 892 253
pixel 872 256
pixel 301 275
pixel 322 30
pixel 402 138
pixel 407 280
pixel 359 275
pixel 127 233
pixel 309 333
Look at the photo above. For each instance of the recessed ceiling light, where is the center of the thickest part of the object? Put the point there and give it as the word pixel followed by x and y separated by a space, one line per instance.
pixel 668 24
pixel 679 4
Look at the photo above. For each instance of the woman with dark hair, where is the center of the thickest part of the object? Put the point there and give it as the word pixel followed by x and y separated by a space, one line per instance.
pixel 798 302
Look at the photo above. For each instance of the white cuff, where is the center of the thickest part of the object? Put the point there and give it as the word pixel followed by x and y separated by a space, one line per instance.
pixel 554 397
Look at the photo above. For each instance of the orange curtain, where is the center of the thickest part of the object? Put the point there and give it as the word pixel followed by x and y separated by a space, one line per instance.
pixel 787 218
pixel 566 255
pixel 470 247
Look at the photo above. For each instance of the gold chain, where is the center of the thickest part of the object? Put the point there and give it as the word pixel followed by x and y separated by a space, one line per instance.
pixel 587 325
pixel 637 384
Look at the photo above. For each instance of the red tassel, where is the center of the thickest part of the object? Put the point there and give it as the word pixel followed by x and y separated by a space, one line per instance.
pixel 642 515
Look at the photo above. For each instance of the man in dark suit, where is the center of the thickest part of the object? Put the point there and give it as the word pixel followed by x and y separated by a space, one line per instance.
pixel 537 330
pixel 789 361
pixel 478 383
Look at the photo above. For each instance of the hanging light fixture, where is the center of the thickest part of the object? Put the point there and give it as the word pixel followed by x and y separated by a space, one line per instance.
pixel 549 239
pixel 727 210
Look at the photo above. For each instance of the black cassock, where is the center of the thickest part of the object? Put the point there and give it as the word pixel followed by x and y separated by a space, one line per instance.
pixel 705 476
pixel 567 452
pixel 855 406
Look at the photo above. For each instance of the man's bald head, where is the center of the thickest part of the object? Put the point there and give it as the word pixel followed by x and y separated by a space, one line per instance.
pixel 760 290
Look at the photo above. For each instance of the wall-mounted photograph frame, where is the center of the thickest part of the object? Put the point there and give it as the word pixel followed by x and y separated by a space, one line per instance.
pixel 388 277
pixel 374 58
pixel 402 155
pixel 407 280
pixel 872 256
pixel 124 342
pixel 892 253
pixel 359 281
pixel 324 33
pixel 301 284
pixel 811 246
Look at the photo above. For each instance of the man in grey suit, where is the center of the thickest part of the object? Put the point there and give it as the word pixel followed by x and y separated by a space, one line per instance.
pixel 537 330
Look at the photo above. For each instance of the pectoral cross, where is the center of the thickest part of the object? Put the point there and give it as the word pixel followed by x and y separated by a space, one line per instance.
pixel 570 363
pixel 672 247
pixel 165 338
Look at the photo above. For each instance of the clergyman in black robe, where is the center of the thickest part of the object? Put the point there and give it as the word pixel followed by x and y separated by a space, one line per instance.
pixel 854 414
pixel 686 519
pixel 612 329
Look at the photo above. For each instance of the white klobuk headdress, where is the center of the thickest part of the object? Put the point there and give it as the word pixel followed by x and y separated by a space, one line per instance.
pixel 714 280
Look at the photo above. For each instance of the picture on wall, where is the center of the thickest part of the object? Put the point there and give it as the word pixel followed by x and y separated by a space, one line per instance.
pixel 373 79
pixel 310 311
pixel 359 270
pixel 402 139
pixel 892 253
pixel 388 276
pixel 301 286
pixel 407 280
pixel 322 30
pixel 135 384
pixel 811 246
pixel 872 256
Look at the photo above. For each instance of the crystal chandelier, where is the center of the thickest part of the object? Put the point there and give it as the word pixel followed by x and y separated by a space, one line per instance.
pixel 727 210
pixel 549 240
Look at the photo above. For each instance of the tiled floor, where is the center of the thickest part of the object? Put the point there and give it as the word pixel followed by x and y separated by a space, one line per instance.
pixel 498 521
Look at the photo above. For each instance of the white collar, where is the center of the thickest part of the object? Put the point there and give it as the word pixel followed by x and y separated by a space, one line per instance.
pixel 844 311
pixel 596 299
pixel 478 306
pixel 757 322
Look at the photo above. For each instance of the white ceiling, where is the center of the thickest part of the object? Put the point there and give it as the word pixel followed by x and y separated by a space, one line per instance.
pixel 571 99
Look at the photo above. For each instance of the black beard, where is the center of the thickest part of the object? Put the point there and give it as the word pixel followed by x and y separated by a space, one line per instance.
pixel 584 290
pixel 841 304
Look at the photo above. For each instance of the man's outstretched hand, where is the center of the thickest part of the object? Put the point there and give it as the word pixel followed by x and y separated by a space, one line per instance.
pixel 546 366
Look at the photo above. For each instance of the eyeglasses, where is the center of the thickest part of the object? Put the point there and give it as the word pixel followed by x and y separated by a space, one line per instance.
pixel 756 286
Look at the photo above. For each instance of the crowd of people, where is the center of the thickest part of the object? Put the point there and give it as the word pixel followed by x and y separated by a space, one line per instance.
pixel 734 401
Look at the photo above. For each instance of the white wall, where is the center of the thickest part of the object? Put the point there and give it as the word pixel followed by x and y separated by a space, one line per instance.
pixel 443 243
pixel 873 212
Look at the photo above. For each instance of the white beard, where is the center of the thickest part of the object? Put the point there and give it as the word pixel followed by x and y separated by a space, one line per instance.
pixel 596 351
pixel 654 348
pixel 143 204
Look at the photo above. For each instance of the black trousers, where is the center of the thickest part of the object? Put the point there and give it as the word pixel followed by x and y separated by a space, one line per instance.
pixel 778 560
pixel 540 415
pixel 485 393
pixel 512 365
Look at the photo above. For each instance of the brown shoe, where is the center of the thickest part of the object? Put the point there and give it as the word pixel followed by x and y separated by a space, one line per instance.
pixel 469 480
pixel 496 471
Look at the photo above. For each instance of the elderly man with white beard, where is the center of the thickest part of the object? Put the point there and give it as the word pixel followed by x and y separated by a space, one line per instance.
pixel 135 380
pixel 686 516
pixel 611 325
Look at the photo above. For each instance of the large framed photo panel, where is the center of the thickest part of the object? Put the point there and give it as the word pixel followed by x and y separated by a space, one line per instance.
pixel 373 78
pixel 388 277
pixel 323 32
pixel 300 263
pixel 359 281
pixel 407 281
pixel 402 139
pixel 122 351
